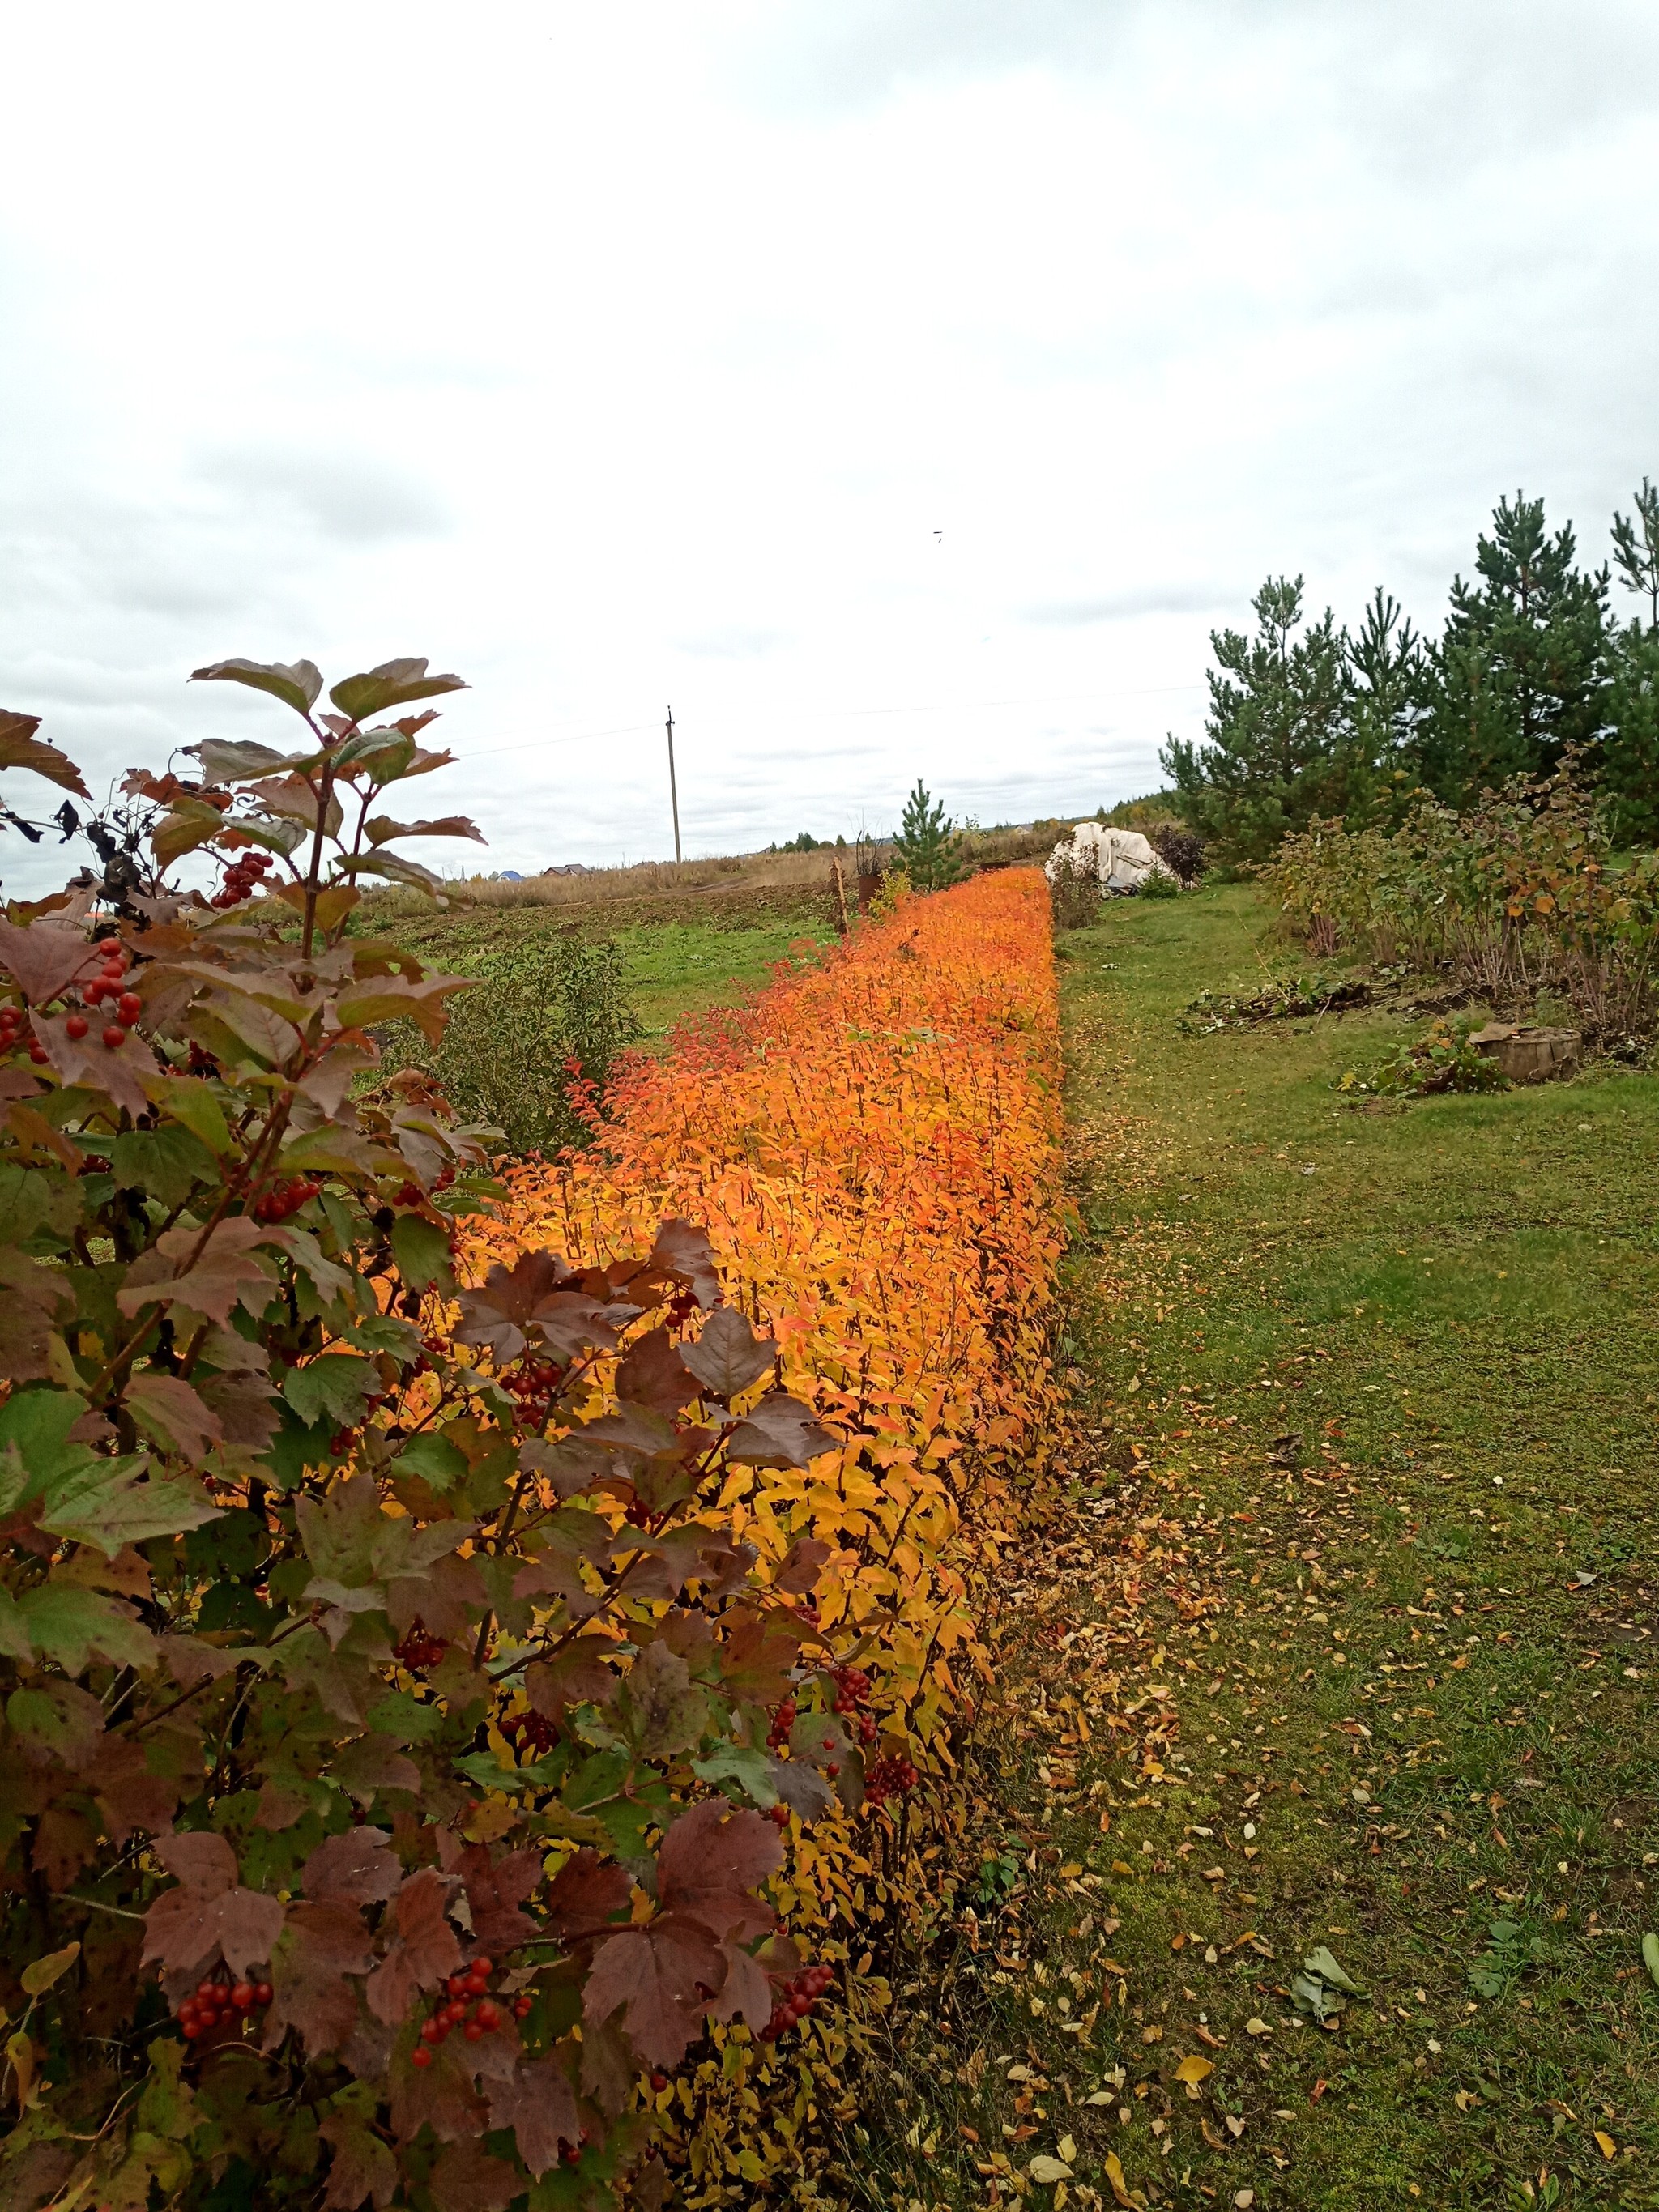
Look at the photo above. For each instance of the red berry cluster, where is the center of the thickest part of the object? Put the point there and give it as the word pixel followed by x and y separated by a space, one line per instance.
pixel 285 1198
pixel 466 2004
pixel 778 1814
pixel 535 1384
pixel 110 982
pixel 241 880
pixel 532 1728
pixel 853 1687
pixel 216 2002
pixel 418 1649
pixel 798 2001
pixel 889 1778
pixel 783 1719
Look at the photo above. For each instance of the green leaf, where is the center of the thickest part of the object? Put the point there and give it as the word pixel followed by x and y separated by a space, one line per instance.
pixel 421 1248
pixel 393 684
pixel 33 1199
pixel 335 1386
pixel 440 1465
pixel 190 824
pixel 751 1770
pixel 20 748
pixel 395 871
pixel 165 1164
pixel 36 1422
pixel 190 1103
pixel 1650 1955
pixel 297 684
pixel 71 1626
pixel 381 829
pixel 109 1506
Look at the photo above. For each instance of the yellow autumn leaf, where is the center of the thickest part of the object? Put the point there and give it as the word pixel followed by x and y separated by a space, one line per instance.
pixel 39 1974
pixel 1193 2070
pixel 1257 2025
pixel 1119 2187
pixel 1045 2169
pixel 1068 2150
pixel 1606 2145
pixel 19 2056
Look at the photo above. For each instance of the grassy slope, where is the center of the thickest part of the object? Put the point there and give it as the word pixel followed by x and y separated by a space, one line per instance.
pixel 1370 1704
pixel 678 961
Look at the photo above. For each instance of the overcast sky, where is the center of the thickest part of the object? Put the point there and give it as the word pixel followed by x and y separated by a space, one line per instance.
pixel 896 386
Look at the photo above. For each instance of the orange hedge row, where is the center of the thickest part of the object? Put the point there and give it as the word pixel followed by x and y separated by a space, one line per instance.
pixel 872 1147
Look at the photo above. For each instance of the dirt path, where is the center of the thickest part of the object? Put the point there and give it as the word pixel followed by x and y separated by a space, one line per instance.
pixel 1342 1652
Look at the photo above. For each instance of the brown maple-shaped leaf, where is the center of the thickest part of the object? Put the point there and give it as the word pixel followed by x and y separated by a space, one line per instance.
pixel 32 1298
pixel 570 1322
pixel 798 1570
pixel 131 1797
pixel 362 2166
pixel 684 1252
pixel 780 1432
pixel 746 1989
pixel 494 1895
pixel 443 2096
pixel 649 2187
pixel 466 2178
pixel 710 1864
pixel 64 1842
pixel 423 1950
pixel 229 1269
pixel 322 1943
pixel 171 1415
pixel 728 1356
pixel 498 1314
pixel 538 2102
pixel 46 958
pixel 577 1676
pixel 608 2066
pixel 755 1654
pixel 654 1374
pixel 587 1894
pixel 209 1914
pixel 352 1868
pixel 656 1976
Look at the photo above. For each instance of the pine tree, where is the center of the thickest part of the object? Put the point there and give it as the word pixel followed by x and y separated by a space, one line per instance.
pixel 1636 553
pixel 1629 751
pixel 927 845
pixel 1520 672
pixel 1281 745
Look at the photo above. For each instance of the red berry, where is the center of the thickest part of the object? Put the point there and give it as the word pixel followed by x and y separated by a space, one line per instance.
pixel 472 2032
pixel 522 2008
pixel 432 2031
pixel 207 1991
pixel 454 2013
pixel 482 1965
pixel 75 1026
pixel 263 1993
pixel 660 2082
pixel 114 1037
pixel 487 2016
pixel 780 1814
pixel 192 2028
pixel 38 1054
pixel 420 2056
pixel 456 1986
pixel 129 1007
pixel 242 1996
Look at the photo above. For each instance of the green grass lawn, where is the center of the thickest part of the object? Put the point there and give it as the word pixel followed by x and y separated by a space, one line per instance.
pixel 681 968
pixel 1345 1637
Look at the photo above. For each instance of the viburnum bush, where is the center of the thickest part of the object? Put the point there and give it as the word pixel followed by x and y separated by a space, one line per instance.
pixel 392 1760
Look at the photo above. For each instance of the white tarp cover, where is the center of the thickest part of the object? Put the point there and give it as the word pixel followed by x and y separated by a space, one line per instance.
pixel 1119 859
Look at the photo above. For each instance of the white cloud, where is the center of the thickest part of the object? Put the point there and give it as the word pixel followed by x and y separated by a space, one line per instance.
pixel 964 360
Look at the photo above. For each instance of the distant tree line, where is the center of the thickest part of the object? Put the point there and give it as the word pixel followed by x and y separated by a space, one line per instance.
pixel 1307 719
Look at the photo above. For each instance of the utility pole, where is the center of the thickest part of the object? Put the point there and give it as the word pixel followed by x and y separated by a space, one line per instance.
pixel 673 794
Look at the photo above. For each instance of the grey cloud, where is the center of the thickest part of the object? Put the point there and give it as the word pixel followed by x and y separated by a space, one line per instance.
pixel 735 644
pixel 1119 606
pixel 351 497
